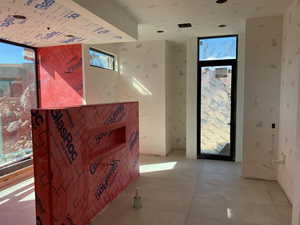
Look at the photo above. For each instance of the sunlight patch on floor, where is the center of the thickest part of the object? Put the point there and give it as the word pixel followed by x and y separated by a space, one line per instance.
pixel 30 197
pixel 16 187
pixel 157 167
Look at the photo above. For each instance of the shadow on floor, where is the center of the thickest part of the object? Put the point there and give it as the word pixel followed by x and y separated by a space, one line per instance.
pixel 17 204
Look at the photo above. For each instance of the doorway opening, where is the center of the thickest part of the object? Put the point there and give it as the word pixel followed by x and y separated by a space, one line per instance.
pixel 217 78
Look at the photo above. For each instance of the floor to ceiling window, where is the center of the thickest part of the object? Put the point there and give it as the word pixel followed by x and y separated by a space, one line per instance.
pixel 18 96
pixel 217 74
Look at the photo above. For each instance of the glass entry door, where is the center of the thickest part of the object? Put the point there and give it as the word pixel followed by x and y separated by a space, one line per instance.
pixel 217 75
pixel 215 111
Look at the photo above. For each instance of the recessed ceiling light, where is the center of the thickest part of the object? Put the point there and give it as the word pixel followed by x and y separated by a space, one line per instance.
pixel 19 17
pixel 160 31
pixel 221 1
pixel 222 25
pixel 70 35
pixel 184 25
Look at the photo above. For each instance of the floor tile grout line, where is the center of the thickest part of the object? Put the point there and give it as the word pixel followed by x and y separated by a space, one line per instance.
pixel 191 204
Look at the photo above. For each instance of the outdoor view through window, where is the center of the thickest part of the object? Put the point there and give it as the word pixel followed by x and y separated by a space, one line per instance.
pixel 17 97
pixel 217 63
pixel 219 48
pixel 101 59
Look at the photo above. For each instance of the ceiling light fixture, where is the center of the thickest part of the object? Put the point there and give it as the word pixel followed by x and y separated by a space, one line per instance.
pixel 19 17
pixel 160 31
pixel 222 25
pixel 184 25
pixel 221 1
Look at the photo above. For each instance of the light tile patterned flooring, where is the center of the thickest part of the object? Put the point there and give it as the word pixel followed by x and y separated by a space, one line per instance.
pixel 17 206
pixel 175 191
pixel 198 193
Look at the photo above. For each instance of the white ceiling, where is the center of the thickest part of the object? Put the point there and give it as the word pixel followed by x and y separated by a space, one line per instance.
pixel 48 22
pixel 205 16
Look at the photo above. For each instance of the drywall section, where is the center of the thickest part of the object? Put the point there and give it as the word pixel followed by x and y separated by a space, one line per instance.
pixel 142 72
pixel 262 96
pixel 141 78
pixel 168 75
pixel 175 94
pixel 60 75
pixel 240 94
pixel 100 85
pixel 289 132
pixel 113 14
pixel 191 97
pixel 289 101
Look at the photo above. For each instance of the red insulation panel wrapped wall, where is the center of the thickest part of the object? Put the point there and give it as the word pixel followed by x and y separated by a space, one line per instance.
pixel 60 75
pixel 83 158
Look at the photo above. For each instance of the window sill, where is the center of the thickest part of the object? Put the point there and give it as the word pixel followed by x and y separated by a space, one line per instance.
pixel 15 177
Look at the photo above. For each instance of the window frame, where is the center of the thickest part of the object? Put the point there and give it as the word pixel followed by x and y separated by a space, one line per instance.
pixel 104 53
pixel 26 162
pixel 218 62
pixel 236 36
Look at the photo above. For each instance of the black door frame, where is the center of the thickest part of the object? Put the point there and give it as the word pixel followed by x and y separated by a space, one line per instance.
pixel 226 62
pixel 27 161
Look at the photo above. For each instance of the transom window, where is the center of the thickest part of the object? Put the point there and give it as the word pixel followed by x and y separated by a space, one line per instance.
pixel 218 48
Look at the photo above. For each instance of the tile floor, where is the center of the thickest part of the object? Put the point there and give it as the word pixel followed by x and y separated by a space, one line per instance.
pixel 188 192
pixel 175 191
pixel 17 205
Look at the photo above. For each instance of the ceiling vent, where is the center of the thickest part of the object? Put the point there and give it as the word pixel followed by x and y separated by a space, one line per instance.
pixel 184 25
pixel 70 36
pixel 221 1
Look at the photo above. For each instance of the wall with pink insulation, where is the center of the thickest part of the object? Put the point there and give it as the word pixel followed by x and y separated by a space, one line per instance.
pixel 83 158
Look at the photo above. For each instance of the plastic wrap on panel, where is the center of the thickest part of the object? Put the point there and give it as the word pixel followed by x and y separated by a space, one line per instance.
pixel 83 158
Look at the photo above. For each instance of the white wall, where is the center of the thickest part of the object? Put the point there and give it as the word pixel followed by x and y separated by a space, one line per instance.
pixel 153 73
pixel 168 79
pixel 141 78
pixel 191 97
pixel 176 90
pixel 240 94
pixel 262 96
pixel 100 85
pixel 142 70
pixel 289 133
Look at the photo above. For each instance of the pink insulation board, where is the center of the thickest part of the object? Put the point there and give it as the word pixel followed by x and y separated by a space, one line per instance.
pixel 83 158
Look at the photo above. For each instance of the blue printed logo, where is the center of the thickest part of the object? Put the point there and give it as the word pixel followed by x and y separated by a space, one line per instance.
pixel 8 21
pixel 101 30
pixel 45 4
pixel 73 39
pixel 48 35
pixel 72 15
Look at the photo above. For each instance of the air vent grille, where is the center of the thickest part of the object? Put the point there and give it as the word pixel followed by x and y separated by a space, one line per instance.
pixel 184 25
